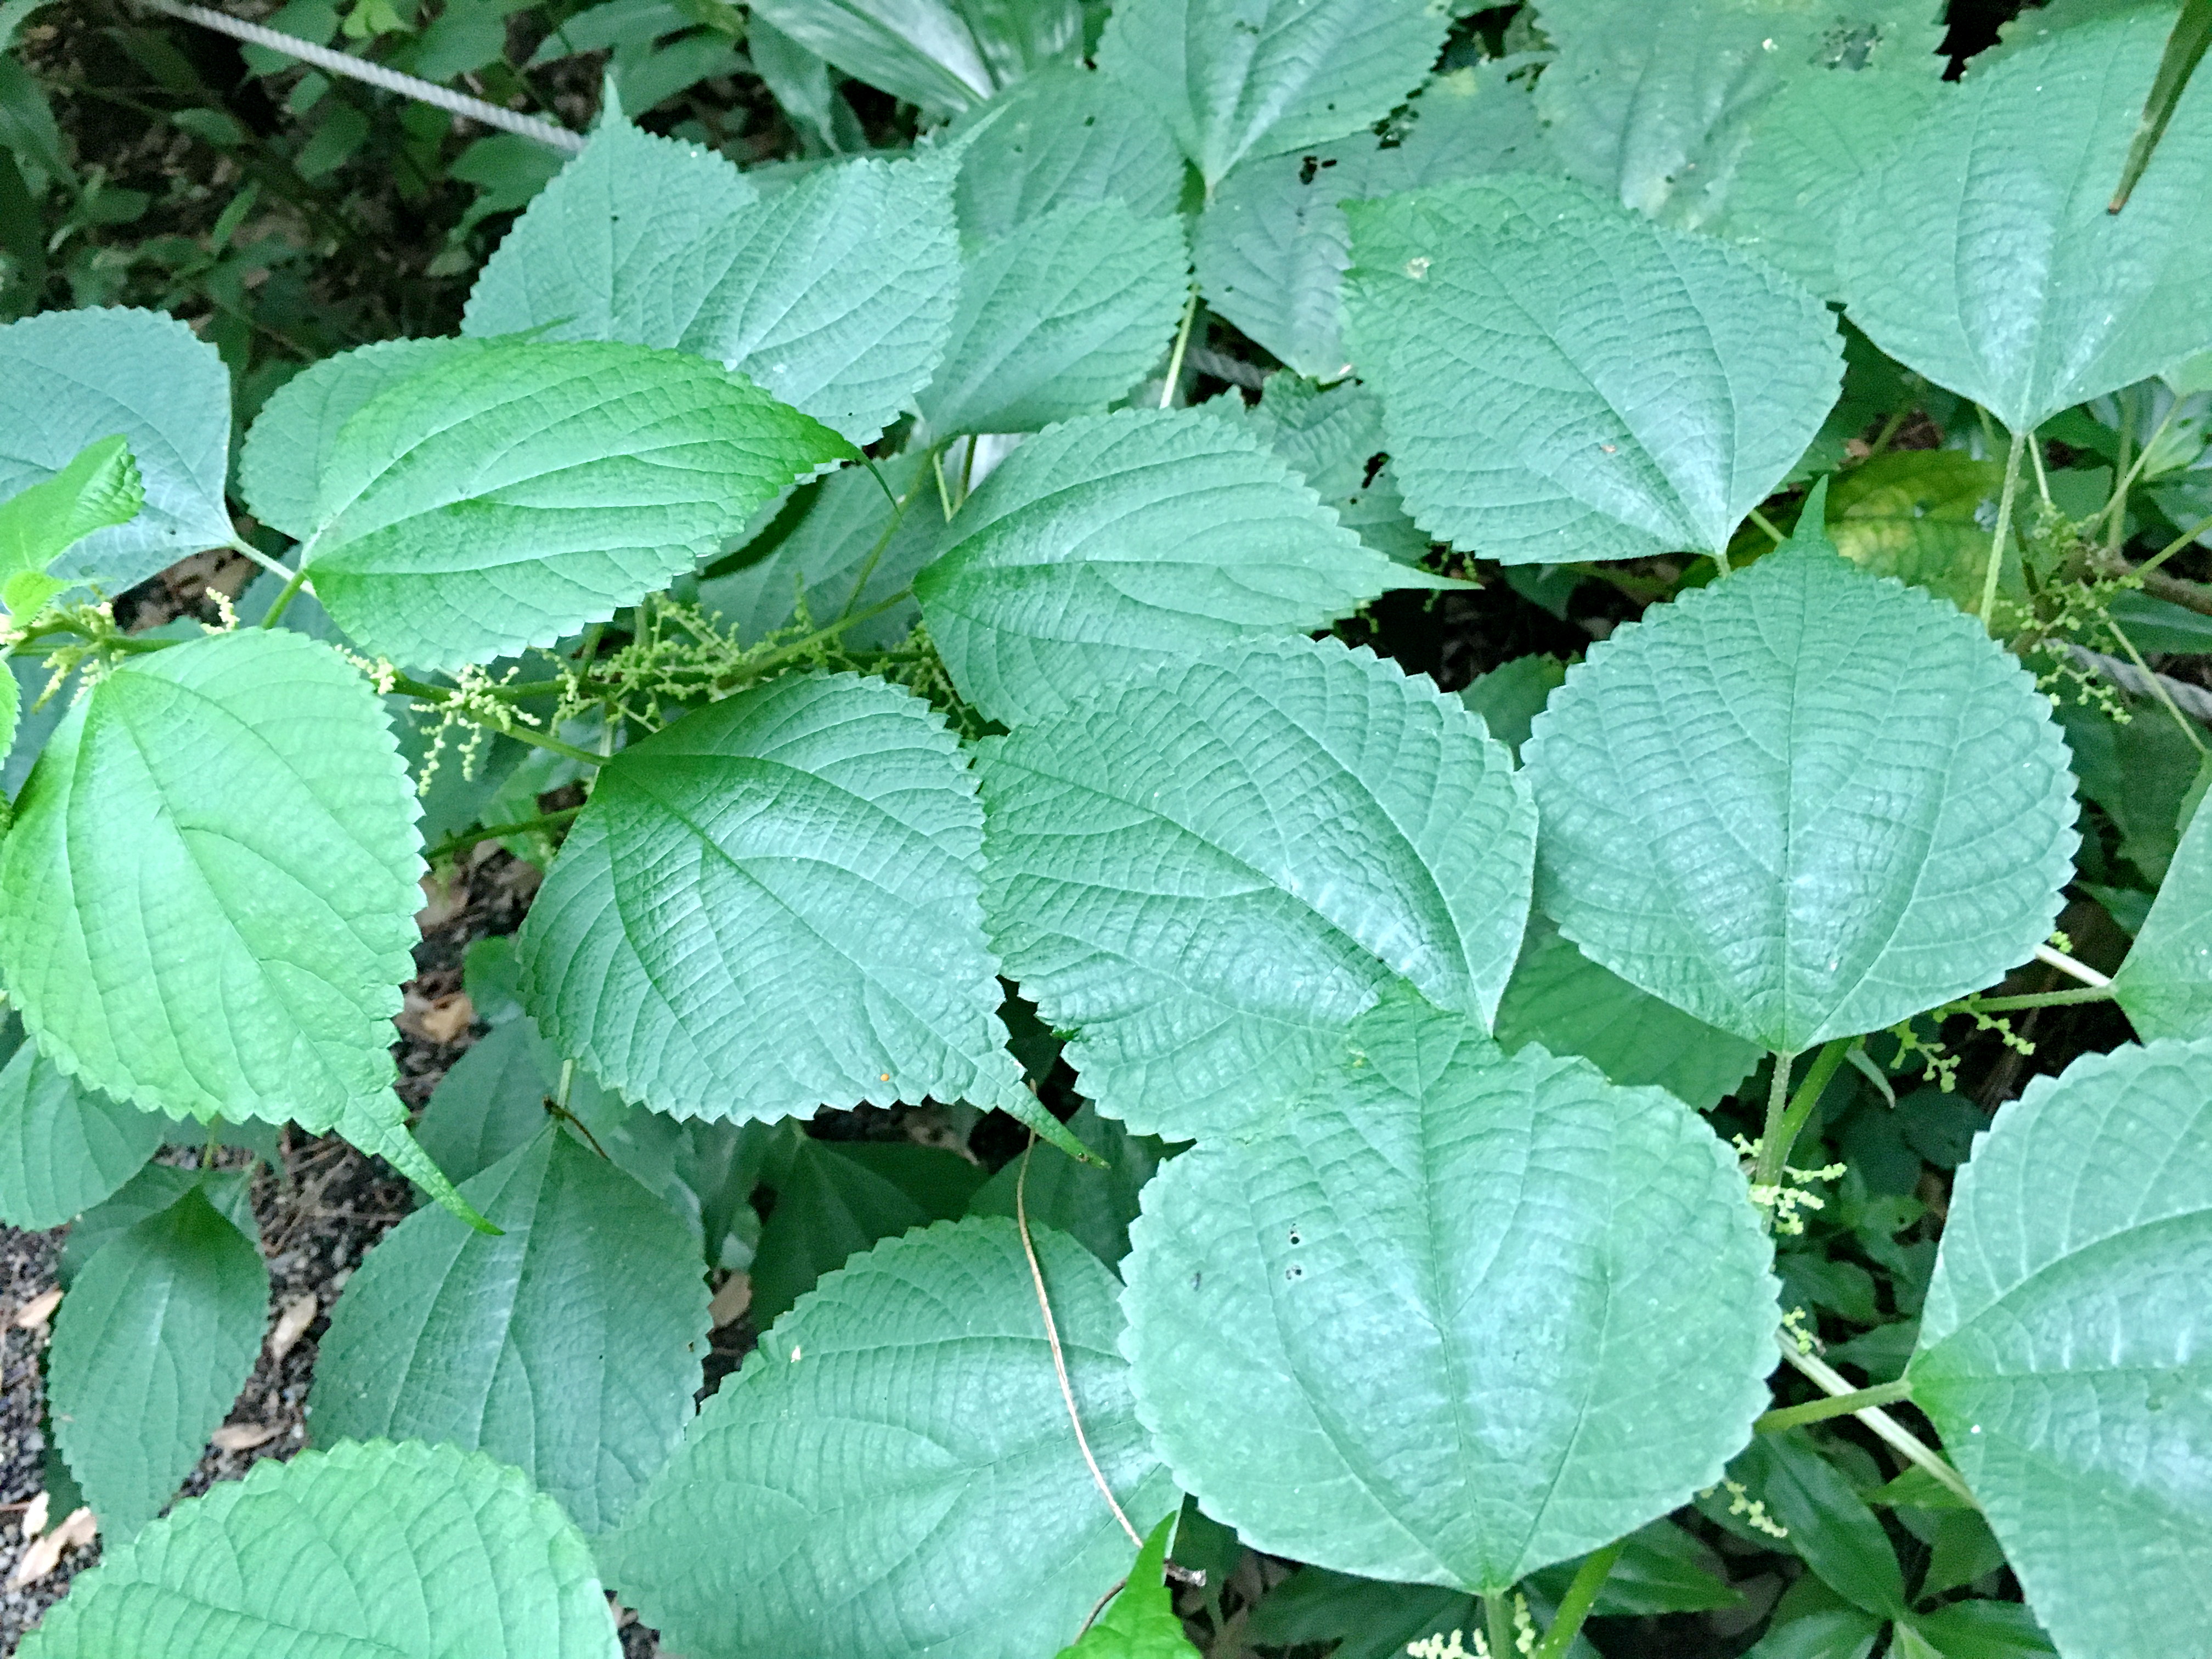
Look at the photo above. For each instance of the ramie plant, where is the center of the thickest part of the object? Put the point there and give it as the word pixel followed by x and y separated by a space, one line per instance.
pixel 837 535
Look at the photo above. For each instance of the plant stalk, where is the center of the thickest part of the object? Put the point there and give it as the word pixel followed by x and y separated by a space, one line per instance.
pixel 1787 1114
pixel 1816 1410
pixel 1182 345
pixel 282 602
pixel 2001 538
pixel 461 844
pixel 2039 999
pixel 1498 1617
pixel 1888 1428
pixel 1575 1605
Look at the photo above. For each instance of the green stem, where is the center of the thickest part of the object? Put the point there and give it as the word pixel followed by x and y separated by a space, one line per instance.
pixel 1182 345
pixel 1786 1122
pixel 461 844
pixel 284 600
pixel 274 566
pixel 1766 525
pixel 2157 686
pixel 1575 1605
pixel 2173 546
pixel 1498 1615
pixel 1890 428
pixel 2037 1000
pixel 1789 1417
pixel 2001 538
pixel 868 564
pixel 1910 1444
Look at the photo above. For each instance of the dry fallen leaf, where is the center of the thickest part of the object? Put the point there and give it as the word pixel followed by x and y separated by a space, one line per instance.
pixel 446 1020
pixel 46 1554
pixel 243 1437
pixel 292 1324
pixel 440 904
pixel 730 1300
pixel 38 1310
pixel 35 1514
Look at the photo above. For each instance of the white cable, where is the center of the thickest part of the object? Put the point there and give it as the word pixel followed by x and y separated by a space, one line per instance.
pixel 360 68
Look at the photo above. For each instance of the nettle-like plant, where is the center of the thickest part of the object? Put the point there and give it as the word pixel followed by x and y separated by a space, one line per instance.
pixel 712 508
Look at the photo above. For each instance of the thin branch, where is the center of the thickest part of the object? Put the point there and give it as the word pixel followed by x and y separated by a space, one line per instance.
pixel 1832 1380
pixel 2066 964
pixel 1818 1410
pixel 1052 1337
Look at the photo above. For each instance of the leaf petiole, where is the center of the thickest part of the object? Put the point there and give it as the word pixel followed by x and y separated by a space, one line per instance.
pixel 1575 1605
pixel 1816 1410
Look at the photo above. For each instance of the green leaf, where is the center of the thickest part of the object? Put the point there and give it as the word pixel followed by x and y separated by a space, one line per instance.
pixel 824 558
pixel 1272 245
pixel 1816 143
pixel 1559 1286
pixel 2141 771
pixel 1140 1622
pixel 900 1436
pixel 409 1551
pixel 1562 379
pixel 1208 873
pixel 2158 627
pixel 1657 104
pixel 2166 984
pixel 921 51
pixel 1983 256
pixel 834 294
pixel 1108 547
pixel 1510 696
pixel 1832 1632
pixel 1094 1203
pixel 1066 134
pixel 291 441
pixel 76 377
pixel 1830 1527
pixel 1369 1619
pixel 1233 80
pixel 1331 438
pixel 242 792
pixel 835 1199
pixel 565 481
pixel 1802 804
pixel 98 489
pixel 1660 1568
pixel 151 1345
pixel 1058 317
pixel 152 1190
pixel 2062 1354
pixel 63 1149
pixel 1557 997
pixel 569 1346
pixel 1923 516
pixel 1983 1629
pixel 491 1100
pixel 771 907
